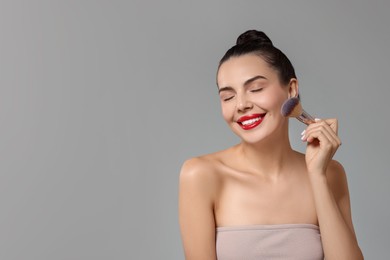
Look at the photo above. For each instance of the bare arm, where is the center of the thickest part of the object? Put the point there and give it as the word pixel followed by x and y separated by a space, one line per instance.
pixel 196 215
pixel 334 214
pixel 330 189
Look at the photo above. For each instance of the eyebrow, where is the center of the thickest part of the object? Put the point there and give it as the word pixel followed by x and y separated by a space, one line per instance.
pixel 253 79
pixel 225 89
pixel 247 82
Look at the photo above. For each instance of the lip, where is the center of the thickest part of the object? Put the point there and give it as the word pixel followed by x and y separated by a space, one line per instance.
pixel 260 118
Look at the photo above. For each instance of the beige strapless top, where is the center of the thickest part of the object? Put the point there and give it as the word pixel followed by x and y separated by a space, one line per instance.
pixel 286 241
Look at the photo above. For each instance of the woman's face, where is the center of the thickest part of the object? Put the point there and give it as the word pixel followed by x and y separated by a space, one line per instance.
pixel 251 97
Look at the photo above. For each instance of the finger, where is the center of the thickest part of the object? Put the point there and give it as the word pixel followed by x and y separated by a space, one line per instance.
pixel 325 136
pixel 321 134
pixel 323 128
pixel 329 124
pixel 333 123
pixel 327 127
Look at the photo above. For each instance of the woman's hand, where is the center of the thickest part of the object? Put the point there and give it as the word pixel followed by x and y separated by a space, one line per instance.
pixel 322 144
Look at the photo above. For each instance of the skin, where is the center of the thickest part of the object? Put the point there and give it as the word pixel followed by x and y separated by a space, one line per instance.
pixel 262 180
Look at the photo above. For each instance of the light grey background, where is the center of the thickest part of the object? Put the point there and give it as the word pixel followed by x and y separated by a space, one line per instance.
pixel 102 101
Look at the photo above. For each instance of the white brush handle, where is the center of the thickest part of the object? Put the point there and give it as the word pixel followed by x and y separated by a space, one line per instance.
pixel 305 118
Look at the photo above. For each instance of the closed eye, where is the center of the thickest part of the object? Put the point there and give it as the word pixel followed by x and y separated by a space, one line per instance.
pixel 257 90
pixel 228 98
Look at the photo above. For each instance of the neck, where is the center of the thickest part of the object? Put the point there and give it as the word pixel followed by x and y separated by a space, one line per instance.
pixel 268 157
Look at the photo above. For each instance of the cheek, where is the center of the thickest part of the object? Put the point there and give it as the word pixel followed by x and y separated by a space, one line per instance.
pixel 267 102
pixel 227 112
pixel 273 101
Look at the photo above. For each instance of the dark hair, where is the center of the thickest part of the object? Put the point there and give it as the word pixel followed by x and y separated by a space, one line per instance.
pixel 258 43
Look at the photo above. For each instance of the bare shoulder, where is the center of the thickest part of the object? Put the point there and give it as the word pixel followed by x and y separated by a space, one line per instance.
pixel 195 166
pixel 337 179
pixel 198 168
pixel 197 193
pixel 200 174
pixel 335 172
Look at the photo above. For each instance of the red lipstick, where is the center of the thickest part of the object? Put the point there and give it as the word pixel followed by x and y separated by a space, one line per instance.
pixel 250 121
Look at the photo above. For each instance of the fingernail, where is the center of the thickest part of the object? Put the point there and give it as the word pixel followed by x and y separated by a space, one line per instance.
pixel 317 119
pixel 303 132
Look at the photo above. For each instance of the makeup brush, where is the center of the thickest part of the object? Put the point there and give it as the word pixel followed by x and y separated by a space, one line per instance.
pixel 292 107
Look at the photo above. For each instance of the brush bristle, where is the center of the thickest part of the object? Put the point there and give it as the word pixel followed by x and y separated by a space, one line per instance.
pixel 291 107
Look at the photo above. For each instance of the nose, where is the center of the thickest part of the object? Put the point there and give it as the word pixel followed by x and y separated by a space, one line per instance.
pixel 243 104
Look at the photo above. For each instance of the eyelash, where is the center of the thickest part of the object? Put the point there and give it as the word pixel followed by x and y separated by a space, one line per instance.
pixel 253 91
pixel 257 90
pixel 229 98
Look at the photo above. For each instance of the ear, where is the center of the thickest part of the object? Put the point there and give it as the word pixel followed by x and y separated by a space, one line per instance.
pixel 293 89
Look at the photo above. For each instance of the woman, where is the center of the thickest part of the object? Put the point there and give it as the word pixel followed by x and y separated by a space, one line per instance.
pixel 260 199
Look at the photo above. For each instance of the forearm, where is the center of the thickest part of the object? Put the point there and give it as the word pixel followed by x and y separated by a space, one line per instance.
pixel 339 241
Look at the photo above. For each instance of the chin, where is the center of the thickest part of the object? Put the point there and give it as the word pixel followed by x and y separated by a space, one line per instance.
pixel 254 140
pixel 260 134
pixel 252 137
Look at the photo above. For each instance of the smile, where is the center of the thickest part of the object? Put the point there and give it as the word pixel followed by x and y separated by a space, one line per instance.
pixel 250 121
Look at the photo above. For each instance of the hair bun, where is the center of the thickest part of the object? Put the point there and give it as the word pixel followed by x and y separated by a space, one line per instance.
pixel 253 36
